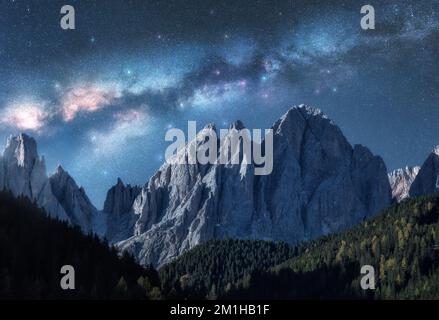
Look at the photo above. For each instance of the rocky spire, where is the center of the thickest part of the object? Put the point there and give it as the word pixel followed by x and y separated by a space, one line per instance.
pixel 23 173
pixel 118 209
pixel 401 181
pixel 427 180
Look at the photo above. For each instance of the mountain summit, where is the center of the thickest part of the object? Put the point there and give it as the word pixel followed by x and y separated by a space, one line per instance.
pixel 401 181
pixel 120 217
pixel 319 184
pixel 427 180
pixel 23 173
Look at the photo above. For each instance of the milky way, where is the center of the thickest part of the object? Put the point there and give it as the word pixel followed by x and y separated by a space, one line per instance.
pixel 100 98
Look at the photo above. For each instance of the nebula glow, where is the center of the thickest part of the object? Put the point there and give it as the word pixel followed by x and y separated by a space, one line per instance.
pixel 87 98
pixel 26 116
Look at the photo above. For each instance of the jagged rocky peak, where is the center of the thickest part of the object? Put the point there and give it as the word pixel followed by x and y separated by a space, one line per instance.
pixel 73 200
pixel 304 124
pixel 237 125
pixel 306 112
pixel 427 180
pixel 120 183
pixel 401 181
pixel 62 179
pixel 23 172
pixel 21 149
pixel 210 126
pixel 118 208
pixel 59 171
pixel 319 184
pixel 120 198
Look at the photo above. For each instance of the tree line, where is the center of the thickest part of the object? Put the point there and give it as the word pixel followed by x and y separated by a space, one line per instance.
pixel 402 244
pixel 34 247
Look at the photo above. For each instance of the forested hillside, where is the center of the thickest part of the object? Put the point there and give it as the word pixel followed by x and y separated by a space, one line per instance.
pixel 401 244
pixel 33 248
pixel 210 269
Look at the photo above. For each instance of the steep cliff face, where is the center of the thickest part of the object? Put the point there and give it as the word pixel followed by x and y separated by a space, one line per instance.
pixel 401 181
pixel 427 180
pixel 73 200
pixel 23 173
pixel 120 217
pixel 319 184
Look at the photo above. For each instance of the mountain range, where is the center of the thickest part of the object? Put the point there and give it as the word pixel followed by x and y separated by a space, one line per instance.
pixel 320 184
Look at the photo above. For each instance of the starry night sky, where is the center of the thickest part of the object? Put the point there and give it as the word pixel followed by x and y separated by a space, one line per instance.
pixel 100 98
